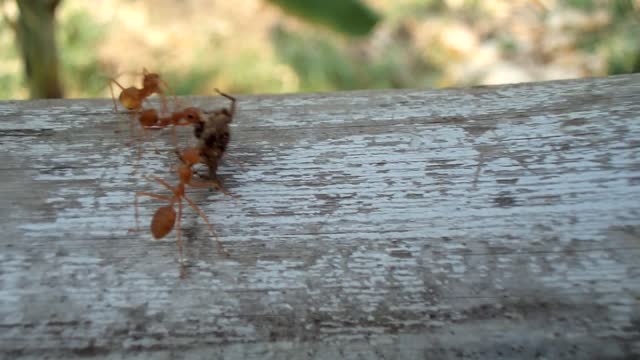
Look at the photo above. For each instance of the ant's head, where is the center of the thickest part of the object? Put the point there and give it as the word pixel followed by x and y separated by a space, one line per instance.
pixel 148 117
pixel 192 115
pixel 190 156
pixel 150 80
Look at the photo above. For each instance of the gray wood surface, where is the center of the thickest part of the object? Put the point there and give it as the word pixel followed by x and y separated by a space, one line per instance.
pixel 490 222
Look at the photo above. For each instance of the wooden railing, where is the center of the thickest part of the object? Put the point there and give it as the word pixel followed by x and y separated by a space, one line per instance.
pixel 480 222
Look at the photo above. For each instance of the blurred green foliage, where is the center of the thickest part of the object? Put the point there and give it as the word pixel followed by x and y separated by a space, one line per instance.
pixel 323 63
pixel 250 71
pixel 188 82
pixel 311 59
pixel 619 40
pixel 78 37
pixel 245 72
pixel 10 82
pixel 348 16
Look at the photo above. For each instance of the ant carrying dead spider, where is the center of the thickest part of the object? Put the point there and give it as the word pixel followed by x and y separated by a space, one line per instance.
pixel 214 132
pixel 214 135
pixel 164 219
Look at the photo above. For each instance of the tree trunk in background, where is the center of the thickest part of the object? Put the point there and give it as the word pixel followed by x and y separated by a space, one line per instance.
pixel 35 32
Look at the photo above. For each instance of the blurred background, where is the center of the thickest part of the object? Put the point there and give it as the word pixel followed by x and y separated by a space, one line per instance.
pixel 69 48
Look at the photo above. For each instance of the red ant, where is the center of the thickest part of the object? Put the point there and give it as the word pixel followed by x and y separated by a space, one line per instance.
pixel 149 118
pixel 164 218
pixel 132 97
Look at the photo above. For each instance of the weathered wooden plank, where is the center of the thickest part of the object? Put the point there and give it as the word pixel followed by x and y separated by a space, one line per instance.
pixel 483 222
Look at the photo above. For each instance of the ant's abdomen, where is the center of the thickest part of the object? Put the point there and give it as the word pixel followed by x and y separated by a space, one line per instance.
pixel 130 98
pixel 163 221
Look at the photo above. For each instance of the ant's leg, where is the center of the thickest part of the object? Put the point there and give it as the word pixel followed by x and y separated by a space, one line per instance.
pixel 151 136
pixel 135 137
pixel 136 214
pixel 213 176
pixel 139 137
pixel 148 102
pixel 177 152
pixel 132 131
pixel 218 185
pixel 155 196
pixel 174 136
pixel 211 230
pixel 233 102
pixel 215 183
pixel 179 242
pixel 147 138
pixel 163 102
pixel 171 93
pixel 162 182
pixel 113 97
pixel 183 272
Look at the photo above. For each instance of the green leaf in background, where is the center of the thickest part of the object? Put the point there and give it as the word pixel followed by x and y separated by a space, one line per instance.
pixel 347 16
pixel 323 63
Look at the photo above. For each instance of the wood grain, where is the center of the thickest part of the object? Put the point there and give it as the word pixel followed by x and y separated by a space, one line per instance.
pixel 479 223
